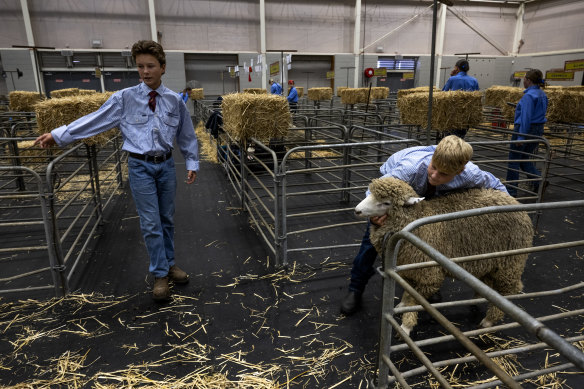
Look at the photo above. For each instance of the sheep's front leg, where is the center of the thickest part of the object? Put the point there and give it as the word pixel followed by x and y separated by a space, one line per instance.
pixel 410 319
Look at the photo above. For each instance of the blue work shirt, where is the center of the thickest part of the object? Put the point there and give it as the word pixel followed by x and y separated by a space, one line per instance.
pixel 276 89
pixel 411 165
pixel 293 95
pixel 461 81
pixel 144 131
pixel 531 109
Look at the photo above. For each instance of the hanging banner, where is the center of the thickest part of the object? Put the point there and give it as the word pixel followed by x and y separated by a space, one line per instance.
pixel 408 76
pixel 274 68
pixel 380 72
pixel 559 76
pixel 330 75
pixel 574 66
pixel 519 75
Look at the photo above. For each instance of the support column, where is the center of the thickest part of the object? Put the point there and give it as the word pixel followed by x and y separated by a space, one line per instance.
pixel 518 29
pixel 356 40
pixel 263 42
pixel 153 28
pixel 30 42
pixel 440 41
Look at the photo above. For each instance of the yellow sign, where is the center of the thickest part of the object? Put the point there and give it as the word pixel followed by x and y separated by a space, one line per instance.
pixel 380 72
pixel 574 65
pixel 519 74
pixel 408 76
pixel 559 76
pixel 97 72
pixel 274 68
pixel 330 75
pixel 232 72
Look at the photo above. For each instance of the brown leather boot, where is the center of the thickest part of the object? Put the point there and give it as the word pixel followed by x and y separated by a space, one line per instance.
pixel 177 275
pixel 161 292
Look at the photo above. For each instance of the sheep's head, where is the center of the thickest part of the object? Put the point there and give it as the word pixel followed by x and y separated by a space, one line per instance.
pixel 386 193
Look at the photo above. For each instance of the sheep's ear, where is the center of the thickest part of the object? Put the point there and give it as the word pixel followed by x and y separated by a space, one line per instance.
pixel 413 200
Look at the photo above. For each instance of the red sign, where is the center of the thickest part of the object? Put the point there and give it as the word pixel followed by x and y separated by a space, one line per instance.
pixel 58 80
pixel 86 80
pixel 117 80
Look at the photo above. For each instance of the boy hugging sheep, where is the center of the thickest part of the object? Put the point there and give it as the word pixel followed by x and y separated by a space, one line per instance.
pixel 431 171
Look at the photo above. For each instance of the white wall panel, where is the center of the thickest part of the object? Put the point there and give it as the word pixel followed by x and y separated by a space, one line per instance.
pixel 553 25
pixel 209 25
pixel 12 31
pixel 310 26
pixel 12 59
pixel 549 62
pixel 73 23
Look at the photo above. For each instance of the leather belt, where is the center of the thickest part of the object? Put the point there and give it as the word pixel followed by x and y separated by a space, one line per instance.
pixel 152 158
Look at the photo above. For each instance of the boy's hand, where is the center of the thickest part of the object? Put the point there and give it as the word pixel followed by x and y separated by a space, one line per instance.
pixel 378 220
pixel 191 175
pixel 45 140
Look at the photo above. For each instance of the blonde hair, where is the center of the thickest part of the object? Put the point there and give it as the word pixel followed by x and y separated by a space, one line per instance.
pixel 451 155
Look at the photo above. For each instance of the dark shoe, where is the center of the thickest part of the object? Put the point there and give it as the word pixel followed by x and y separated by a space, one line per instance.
pixel 161 291
pixel 177 275
pixel 351 303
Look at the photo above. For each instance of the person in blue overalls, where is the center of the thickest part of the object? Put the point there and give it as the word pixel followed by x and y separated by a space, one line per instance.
pixel 529 119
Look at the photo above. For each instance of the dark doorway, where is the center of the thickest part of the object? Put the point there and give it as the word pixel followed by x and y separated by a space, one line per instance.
pixel 65 80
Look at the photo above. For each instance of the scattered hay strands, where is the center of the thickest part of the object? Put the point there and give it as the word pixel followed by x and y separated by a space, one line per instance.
pixel 207 145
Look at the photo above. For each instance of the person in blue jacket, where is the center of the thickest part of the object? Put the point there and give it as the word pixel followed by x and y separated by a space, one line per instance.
pixel 184 95
pixel 275 89
pixel 529 120
pixel 459 80
pixel 292 96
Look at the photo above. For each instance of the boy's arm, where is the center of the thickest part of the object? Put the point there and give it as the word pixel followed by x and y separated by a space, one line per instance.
pixel 108 116
pixel 186 140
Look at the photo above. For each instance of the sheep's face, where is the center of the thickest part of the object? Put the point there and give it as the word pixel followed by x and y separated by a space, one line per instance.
pixel 371 206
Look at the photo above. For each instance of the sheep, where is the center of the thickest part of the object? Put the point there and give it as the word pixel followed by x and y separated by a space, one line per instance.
pixel 461 237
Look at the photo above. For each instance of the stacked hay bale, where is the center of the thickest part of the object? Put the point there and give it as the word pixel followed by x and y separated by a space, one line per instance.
pixel 565 106
pixel 320 94
pixel 21 101
pixel 87 91
pixel 57 94
pixel 405 92
pixel 363 95
pixel 261 116
pixel 54 113
pixel 197 94
pixel 498 96
pixel 450 110
pixel 255 91
pixel 340 90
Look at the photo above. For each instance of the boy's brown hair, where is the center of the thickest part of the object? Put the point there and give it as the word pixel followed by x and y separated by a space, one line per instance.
pixel 535 76
pixel 451 155
pixel 149 47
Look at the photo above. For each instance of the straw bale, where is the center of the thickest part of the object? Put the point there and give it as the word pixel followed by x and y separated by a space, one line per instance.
pixel 87 91
pixel 255 91
pixel 54 113
pixel 340 90
pixel 197 94
pixel 565 106
pixel 299 90
pixel 57 94
pixel 263 117
pixel 574 88
pixel 354 95
pixel 319 94
pixel 379 92
pixel 498 96
pixel 450 110
pixel 404 92
pixel 29 154
pixel 22 101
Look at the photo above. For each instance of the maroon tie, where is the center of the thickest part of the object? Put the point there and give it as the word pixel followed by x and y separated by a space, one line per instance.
pixel 152 101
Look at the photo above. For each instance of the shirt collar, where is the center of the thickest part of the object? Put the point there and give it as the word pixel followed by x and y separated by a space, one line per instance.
pixel 145 89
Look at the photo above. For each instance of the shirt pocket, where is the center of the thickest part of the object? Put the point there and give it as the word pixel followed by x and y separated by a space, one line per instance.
pixel 171 120
pixel 136 119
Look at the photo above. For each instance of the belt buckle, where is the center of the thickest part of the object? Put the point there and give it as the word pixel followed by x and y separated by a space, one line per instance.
pixel 158 158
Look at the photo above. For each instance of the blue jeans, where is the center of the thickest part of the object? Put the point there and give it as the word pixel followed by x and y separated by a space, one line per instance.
pixel 154 189
pixel 520 155
pixel 363 264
